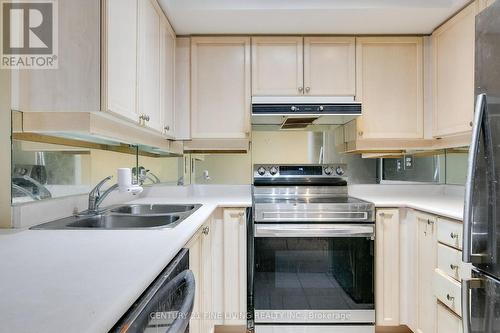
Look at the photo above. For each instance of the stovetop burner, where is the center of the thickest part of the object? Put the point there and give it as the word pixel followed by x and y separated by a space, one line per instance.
pixel 306 194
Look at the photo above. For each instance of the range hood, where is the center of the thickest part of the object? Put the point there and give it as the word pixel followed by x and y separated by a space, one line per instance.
pixel 299 112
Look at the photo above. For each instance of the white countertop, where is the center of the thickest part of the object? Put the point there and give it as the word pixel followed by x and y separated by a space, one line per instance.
pixel 447 201
pixel 84 281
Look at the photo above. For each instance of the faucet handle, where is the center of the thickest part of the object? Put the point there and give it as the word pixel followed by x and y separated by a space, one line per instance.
pixel 97 188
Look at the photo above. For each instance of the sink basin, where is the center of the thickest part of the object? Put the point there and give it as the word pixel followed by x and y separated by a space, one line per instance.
pixel 152 209
pixel 123 222
pixel 132 216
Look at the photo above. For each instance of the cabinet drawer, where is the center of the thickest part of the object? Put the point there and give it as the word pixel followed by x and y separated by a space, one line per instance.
pixel 450 232
pixel 450 262
pixel 448 291
pixel 447 321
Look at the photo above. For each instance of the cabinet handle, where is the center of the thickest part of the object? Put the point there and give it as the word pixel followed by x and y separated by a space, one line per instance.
pixel 360 133
pixel 454 267
pixel 454 235
pixel 381 214
pixel 301 90
pixel 238 215
pixel 471 124
pixel 167 128
pixel 308 89
pixel 450 298
pixel 430 222
pixel 146 117
pixel 206 230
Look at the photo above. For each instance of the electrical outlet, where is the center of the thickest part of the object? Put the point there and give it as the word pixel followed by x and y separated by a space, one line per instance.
pixel 399 165
pixel 408 162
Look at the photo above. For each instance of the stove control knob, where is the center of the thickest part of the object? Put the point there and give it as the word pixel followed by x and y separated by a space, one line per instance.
pixel 339 171
pixel 273 170
pixel 328 171
pixel 261 171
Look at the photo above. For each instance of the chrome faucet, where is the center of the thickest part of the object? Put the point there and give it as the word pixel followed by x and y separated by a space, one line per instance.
pixel 96 197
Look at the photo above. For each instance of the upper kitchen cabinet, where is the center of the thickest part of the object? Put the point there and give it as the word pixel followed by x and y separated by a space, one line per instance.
pixel 277 66
pixel 149 87
pixel 329 66
pixel 220 88
pixel 453 47
pixel 182 88
pixel 120 58
pixel 296 66
pixel 167 79
pixel 74 85
pixel 389 85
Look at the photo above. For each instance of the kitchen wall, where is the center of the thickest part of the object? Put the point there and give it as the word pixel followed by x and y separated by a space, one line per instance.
pixel 5 130
pixel 444 167
pixel 280 147
pixel 168 169
pixel 74 170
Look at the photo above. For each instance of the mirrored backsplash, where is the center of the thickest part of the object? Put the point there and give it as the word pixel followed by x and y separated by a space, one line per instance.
pixel 42 171
pixel 442 167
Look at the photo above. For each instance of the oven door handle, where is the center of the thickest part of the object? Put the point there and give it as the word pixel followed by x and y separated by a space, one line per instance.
pixel 315 230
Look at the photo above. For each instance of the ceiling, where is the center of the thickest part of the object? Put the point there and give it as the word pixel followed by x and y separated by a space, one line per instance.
pixel 308 16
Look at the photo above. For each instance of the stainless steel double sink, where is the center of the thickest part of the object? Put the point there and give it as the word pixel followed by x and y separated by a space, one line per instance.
pixel 133 216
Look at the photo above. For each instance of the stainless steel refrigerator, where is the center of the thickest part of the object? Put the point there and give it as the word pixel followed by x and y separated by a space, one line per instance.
pixel 481 247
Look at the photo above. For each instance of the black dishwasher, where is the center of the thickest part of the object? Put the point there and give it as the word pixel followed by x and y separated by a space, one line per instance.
pixel 166 306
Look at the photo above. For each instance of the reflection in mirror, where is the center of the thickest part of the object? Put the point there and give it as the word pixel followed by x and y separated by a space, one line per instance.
pixel 42 171
pixel 447 166
pixel 154 170
pixel 279 147
pixel 226 168
pixel 456 165
pixel 422 167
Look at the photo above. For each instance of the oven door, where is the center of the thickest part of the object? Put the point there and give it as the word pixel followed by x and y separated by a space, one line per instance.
pixel 314 273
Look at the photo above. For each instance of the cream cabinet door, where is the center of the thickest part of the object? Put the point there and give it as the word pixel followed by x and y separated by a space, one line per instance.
pixel 182 89
pixel 201 263
pixel 74 85
pixel 330 66
pixel 235 270
pixel 220 87
pixel 207 296
pixel 195 265
pixel 277 66
pixel 447 321
pixel 387 268
pixel 167 80
pixel 149 64
pixel 426 264
pixel 120 81
pixel 453 47
pixel 389 85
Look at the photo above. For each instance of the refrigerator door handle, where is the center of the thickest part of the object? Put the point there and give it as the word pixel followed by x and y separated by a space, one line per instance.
pixel 466 306
pixel 471 170
pixel 467 285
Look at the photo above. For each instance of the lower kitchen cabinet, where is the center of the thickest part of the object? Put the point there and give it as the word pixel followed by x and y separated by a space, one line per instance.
pixel 235 269
pixel 419 269
pixel 217 257
pixel 426 264
pixel 387 268
pixel 447 321
pixel 200 263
